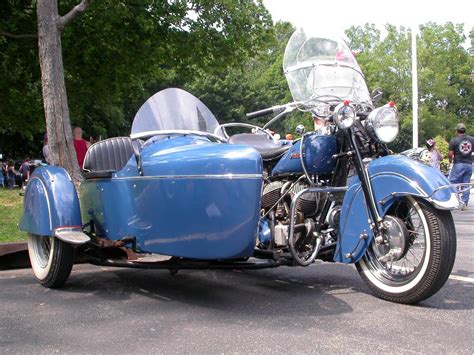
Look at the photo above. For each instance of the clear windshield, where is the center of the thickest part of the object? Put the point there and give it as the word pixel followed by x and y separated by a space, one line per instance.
pixel 322 66
pixel 173 109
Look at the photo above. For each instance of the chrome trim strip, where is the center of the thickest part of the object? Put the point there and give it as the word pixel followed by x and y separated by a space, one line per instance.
pixel 180 177
pixel 414 184
pixel 452 203
pixel 148 134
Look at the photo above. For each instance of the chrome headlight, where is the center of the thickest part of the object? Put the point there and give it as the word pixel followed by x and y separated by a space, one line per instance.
pixel 383 124
pixel 344 115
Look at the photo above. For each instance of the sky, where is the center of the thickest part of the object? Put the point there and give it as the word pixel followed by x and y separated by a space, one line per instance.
pixel 341 14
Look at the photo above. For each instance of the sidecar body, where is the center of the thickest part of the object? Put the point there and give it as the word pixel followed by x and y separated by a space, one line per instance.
pixel 166 189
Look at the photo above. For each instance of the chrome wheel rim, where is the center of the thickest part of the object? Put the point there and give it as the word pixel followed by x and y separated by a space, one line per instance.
pixel 404 270
pixel 42 250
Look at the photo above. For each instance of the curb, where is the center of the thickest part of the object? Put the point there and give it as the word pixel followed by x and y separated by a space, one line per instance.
pixel 14 256
pixel 9 248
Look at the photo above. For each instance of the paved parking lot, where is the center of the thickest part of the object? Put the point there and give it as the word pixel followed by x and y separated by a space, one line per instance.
pixel 322 308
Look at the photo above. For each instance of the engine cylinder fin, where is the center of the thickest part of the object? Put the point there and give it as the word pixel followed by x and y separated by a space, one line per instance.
pixel 271 194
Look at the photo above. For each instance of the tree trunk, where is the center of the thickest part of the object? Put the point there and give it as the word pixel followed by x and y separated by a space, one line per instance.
pixel 58 125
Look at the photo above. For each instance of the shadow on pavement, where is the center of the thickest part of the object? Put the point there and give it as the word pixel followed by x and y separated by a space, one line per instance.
pixel 228 291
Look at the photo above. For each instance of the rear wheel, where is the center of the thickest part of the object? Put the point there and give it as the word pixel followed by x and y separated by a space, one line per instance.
pixel 419 255
pixel 51 260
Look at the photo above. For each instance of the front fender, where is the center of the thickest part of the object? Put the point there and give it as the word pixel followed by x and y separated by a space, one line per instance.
pixel 50 203
pixel 392 177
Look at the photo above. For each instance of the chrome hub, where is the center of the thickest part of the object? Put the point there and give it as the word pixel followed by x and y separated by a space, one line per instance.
pixel 396 240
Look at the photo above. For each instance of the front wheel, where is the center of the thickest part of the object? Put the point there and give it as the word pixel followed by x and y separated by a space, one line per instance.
pixel 51 260
pixel 418 256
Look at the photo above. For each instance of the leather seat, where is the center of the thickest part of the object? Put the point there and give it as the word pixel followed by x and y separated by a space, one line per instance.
pixel 268 149
pixel 106 157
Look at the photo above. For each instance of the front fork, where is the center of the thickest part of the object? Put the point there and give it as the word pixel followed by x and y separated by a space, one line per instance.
pixel 375 220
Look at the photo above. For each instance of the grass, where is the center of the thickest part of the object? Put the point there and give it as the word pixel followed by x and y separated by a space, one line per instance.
pixel 11 204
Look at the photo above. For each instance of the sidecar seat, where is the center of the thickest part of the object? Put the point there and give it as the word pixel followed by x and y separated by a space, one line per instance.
pixel 268 149
pixel 106 157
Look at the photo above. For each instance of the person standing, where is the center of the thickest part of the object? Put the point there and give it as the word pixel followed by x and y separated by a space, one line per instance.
pixel 80 145
pixel 25 171
pixel 435 157
pixel 11 174
pixel 460 152
pixel 46 149
pixel 3 173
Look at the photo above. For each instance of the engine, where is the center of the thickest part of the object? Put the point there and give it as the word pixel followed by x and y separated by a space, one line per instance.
pixel 276 202
pixel 308 204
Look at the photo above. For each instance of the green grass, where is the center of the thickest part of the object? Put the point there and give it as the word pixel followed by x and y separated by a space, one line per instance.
pixel 11 204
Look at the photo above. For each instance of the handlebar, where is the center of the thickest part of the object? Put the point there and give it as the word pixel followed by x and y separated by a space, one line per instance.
pixel 266 111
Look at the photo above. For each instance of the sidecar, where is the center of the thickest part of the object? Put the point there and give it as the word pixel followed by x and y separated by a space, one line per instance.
pixel 172 188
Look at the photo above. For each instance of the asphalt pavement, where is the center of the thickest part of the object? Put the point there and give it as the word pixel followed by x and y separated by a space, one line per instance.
pixel 319 309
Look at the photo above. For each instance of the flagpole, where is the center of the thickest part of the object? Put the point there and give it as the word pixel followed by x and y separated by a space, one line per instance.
pixel 414 84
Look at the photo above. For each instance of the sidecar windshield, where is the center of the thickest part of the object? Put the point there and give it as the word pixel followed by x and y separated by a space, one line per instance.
pixel 320 66
pixel 173 109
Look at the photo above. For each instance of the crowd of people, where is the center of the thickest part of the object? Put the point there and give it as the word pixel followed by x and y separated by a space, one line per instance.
pixel 12 176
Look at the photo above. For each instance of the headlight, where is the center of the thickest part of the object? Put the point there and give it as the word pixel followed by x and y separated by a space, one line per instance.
pixel 344 115
pixel 383 124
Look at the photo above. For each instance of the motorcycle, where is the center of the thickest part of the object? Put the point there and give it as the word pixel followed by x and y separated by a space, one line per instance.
pixel 181 192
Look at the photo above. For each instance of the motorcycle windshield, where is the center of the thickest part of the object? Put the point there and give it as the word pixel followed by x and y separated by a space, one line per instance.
pixel 173 109
pixel 322 67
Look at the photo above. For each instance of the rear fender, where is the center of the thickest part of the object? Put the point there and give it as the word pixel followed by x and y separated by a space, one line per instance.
pixel 392 178
pixel 51 203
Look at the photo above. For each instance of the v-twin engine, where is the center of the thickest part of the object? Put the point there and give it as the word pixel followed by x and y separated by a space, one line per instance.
pixel 308 204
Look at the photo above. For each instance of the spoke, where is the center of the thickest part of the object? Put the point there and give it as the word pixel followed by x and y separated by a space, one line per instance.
pixel 403 269
pixel 414 257
pixel 411 231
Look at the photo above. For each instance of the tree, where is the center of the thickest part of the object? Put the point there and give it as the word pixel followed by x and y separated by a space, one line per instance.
pixel 256 83
pixel 445 89
pixel 56 110
pixel 118 53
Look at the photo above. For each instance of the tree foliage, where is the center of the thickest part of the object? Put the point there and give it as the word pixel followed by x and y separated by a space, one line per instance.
pixel 118 53
pixel 228 53
pixel 445 86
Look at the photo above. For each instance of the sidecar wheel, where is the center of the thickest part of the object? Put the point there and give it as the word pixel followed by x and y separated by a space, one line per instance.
pixel 424 265
pixel 51 260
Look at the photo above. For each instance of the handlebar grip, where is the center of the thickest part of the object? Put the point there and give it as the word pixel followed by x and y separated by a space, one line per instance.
pixel 264 112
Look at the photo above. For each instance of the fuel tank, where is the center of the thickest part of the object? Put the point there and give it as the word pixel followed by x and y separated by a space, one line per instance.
pixel 318 150
pixel 196 199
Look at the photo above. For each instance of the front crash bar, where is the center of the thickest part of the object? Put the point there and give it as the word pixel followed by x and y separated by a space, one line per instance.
pixel 294 254
pixel 458 187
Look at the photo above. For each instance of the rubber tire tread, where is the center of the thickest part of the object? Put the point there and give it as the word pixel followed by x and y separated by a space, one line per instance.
pixel 61 265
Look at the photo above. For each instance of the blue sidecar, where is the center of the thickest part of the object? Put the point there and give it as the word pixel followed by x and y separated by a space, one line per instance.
pixel 173 188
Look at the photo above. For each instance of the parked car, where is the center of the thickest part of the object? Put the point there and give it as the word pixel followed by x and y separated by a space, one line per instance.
pixel 419 153
pixel 22 179
pixel 414 153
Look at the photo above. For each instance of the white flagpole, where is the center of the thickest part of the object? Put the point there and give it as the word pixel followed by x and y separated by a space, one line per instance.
pixel 414 84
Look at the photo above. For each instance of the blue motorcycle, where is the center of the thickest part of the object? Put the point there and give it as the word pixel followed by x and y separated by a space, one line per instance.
pixel 181 192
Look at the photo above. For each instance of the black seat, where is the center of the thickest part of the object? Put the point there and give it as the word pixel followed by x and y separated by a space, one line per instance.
pixel 268 149
pixel 106 157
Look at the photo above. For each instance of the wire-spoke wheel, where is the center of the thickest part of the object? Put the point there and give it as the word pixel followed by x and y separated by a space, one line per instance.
pixel 417 257
pixel 51 260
